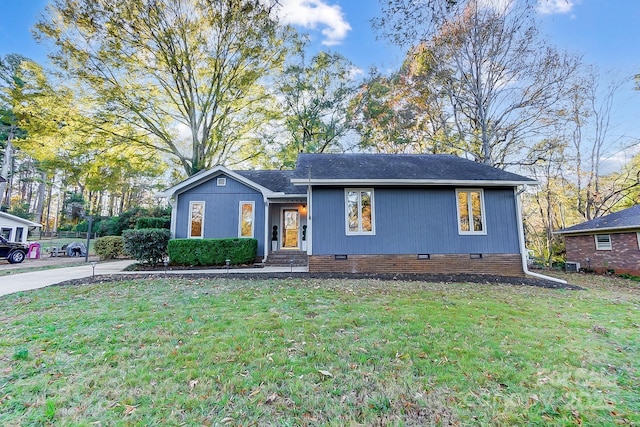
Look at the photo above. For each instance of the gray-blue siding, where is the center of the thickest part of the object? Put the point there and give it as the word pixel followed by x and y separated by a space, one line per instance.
pixel 222 210
pixel 414 221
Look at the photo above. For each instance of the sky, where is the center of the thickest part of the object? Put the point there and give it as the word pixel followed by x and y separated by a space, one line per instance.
pixel 604 32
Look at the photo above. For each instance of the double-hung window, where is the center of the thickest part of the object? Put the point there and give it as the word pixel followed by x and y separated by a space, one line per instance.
pixel 196 220
pixel 360 215
pixel 471 219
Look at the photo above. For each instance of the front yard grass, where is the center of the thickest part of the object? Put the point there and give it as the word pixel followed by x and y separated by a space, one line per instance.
pixel 320 352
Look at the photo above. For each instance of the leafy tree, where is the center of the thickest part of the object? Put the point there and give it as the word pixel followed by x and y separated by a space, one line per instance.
pixel 169 68
pixel 400 114
pixel 315 98
pixel 21 210
pixel 73 207
pixel 11 83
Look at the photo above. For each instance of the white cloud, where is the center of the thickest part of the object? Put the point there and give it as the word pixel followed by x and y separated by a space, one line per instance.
pixel 355 72
pixel 618 160
pixel 311 14
pixel 549 7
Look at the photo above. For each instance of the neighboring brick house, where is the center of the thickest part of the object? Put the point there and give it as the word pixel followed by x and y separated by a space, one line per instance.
pixel 611 242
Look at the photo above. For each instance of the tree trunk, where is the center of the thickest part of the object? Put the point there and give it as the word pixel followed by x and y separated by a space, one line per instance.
pixel 6 164
pixel 49 193
pixel 37 217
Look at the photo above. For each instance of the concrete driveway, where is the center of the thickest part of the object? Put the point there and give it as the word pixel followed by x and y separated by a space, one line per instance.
pixel 19 282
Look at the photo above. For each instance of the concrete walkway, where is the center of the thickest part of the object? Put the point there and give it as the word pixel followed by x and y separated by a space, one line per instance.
pixel 13 283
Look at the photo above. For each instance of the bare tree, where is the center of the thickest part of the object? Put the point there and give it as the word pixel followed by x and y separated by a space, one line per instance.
pixel 499 79
pixel 589 131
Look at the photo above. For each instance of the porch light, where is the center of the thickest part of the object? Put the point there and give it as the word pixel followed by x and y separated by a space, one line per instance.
pixel 303 209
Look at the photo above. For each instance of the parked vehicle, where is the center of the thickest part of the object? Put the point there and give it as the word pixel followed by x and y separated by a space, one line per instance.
pixel 14 252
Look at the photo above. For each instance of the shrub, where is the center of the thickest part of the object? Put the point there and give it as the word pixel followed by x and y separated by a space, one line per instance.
pixel 83 226
pixel 147 245
pixel 212 251
pixel 109 247
pixel 108 227
pixel 152 222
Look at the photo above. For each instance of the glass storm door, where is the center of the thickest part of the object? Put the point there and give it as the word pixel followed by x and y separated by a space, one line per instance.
pixel 290 228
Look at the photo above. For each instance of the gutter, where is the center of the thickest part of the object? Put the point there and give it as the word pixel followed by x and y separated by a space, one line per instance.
pixel 523 252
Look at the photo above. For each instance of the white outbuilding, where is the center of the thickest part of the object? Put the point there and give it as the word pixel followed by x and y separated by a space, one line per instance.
pixel 14 228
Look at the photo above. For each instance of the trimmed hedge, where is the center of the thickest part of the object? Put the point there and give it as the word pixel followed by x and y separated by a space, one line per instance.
pixel 109 247
pixel 147 245
pixel 153 222
pixel 212 251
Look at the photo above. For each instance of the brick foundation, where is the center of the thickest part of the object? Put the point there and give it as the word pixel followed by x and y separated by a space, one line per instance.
pixel 497 264
pixel 624 257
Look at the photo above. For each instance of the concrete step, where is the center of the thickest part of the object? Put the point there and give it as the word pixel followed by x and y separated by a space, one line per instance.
pixel 286 258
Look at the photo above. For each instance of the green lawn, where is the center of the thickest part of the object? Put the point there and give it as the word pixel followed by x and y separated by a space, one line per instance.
pixel 321 352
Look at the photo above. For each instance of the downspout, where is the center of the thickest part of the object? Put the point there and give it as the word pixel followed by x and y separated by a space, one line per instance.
pixel 523 249
pixel 309 214
pixel 267 242
pixel 309 222
pixel 173 203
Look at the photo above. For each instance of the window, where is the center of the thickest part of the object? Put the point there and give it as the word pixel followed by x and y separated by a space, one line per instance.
pixel 359 211
pixel 221 182
pixel 638 236
pixel 245 227
pixel 6 233
pixel 603 242
pixel 196 220
pixel 471 212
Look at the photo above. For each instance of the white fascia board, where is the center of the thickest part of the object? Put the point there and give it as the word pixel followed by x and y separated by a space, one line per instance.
pixel 606 230
pixel 19 220
pixel 287 196
pixel 432 182
pixel 202 177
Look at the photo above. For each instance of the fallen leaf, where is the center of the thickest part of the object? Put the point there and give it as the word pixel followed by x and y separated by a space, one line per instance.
pixel 193 383
pixel 272 398
pixel 128 409
pixel 325 373
pixel 255 392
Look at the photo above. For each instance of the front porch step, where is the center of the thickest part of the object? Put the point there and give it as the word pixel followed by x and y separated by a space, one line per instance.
pixel 285 258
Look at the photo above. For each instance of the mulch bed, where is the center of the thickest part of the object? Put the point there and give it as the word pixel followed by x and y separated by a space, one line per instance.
pixel 252 275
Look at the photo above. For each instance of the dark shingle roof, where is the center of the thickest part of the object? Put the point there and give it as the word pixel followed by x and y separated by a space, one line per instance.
pixel 624 219
pixel 422 167
pixel 277 181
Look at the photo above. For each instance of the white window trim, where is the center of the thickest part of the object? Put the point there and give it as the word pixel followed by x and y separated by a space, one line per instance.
pixel 221 182
pixel 189 218
pixel 603 246
pixel 483 212
pixel 253 219
pixel 638 236
pixel 346 213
